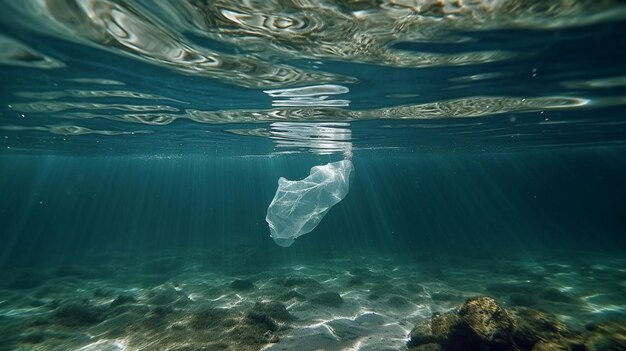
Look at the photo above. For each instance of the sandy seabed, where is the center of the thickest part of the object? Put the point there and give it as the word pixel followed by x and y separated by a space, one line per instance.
pixel 355 302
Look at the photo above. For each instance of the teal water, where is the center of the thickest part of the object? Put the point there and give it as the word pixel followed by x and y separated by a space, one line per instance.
pixel 142 143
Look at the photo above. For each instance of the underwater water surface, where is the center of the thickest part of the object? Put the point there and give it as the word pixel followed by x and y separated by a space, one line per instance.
pixel 312 175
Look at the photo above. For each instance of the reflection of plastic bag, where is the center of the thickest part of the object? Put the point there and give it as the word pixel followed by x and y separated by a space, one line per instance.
pixel 299 206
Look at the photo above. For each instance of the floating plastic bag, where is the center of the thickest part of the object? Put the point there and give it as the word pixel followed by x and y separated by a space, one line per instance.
pixel 299 206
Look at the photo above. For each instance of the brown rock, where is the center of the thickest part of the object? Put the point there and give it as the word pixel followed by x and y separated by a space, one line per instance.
pixel 490 322
pixel 445 330
pixel 442 323
pixel 483 325
pixel 421 334
pixel 530 326
pixel 461 337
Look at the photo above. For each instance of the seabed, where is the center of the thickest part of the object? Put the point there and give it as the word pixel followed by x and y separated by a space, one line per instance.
pixel 203 301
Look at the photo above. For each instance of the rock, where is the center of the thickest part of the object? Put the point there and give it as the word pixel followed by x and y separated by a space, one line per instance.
pixel 242 285
pixel 421 334
pixel 481 324
pixel 441 324
pixel 491 323
pixel 531 326
pixel 448 330
pixel 454 333
pixel 331 299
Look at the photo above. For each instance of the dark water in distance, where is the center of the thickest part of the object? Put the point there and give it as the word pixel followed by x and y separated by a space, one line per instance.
pixel 432 202
pixel 488 141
